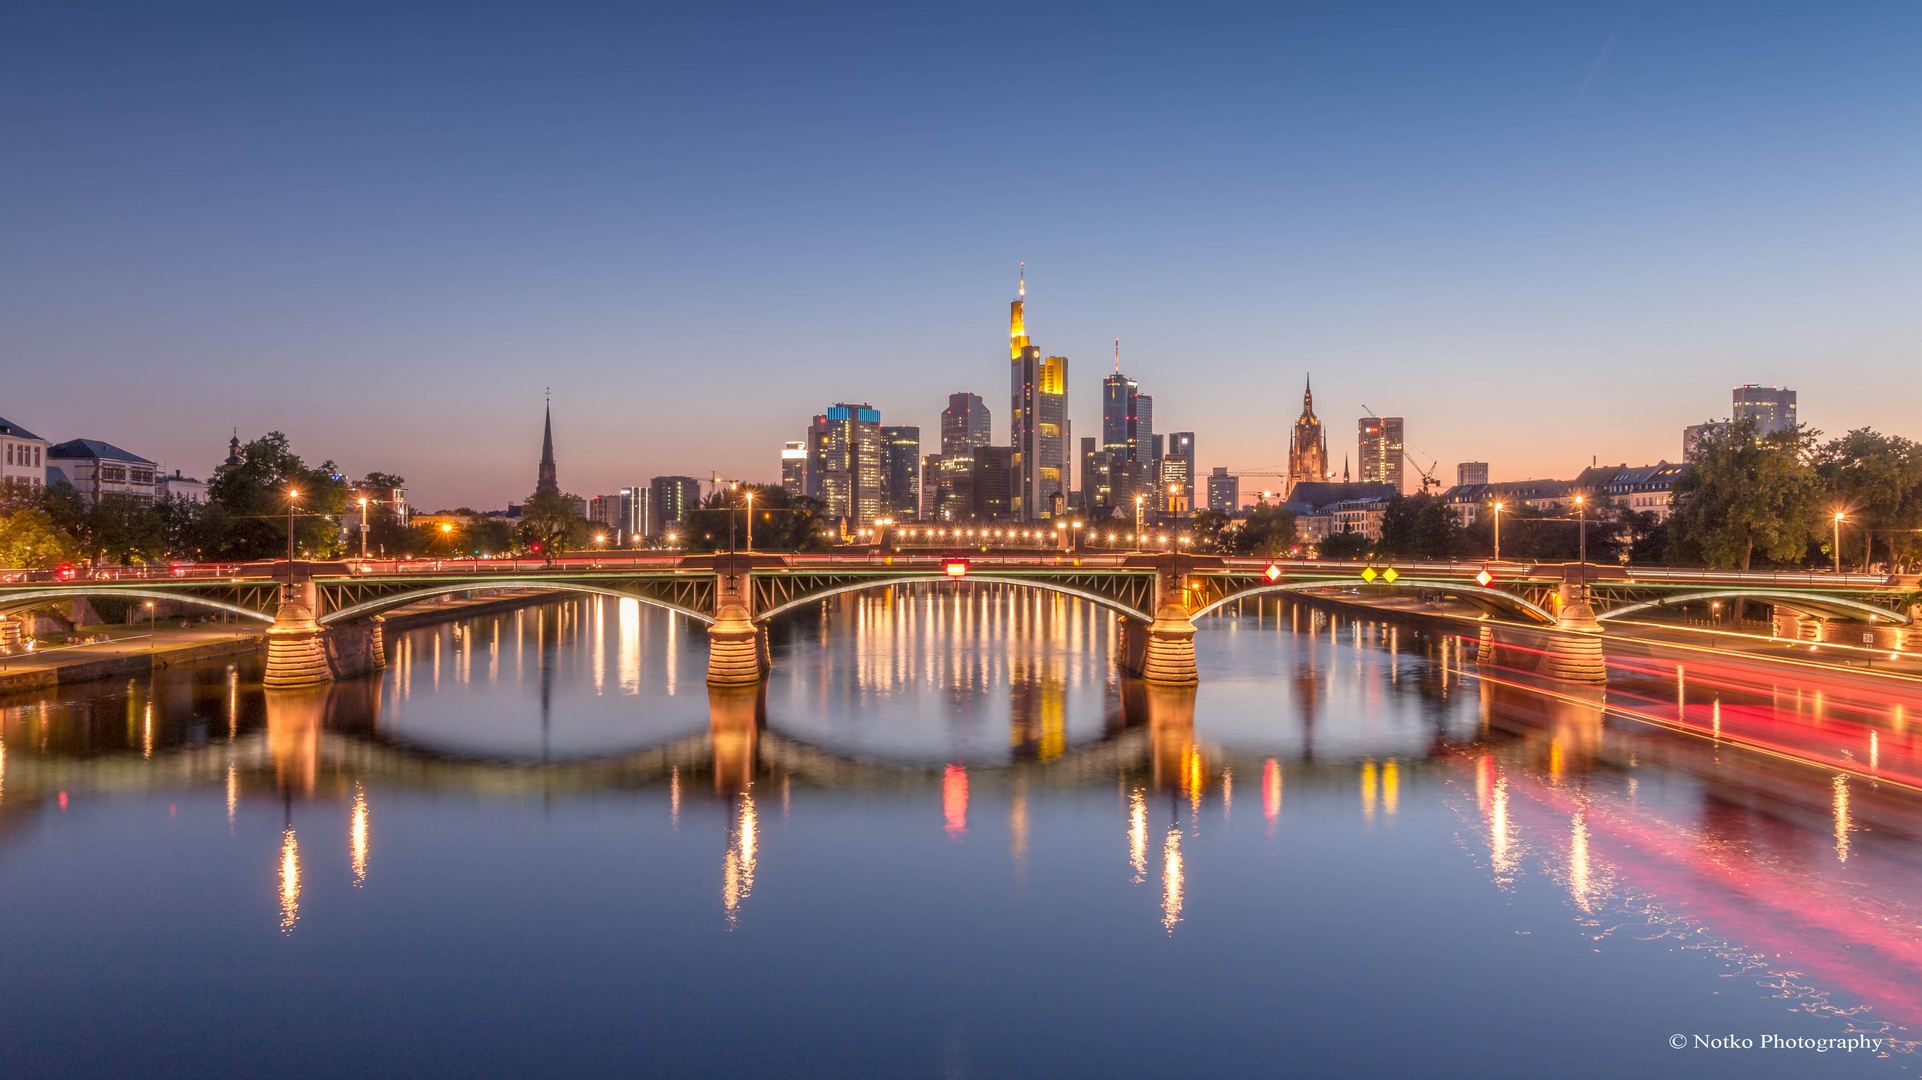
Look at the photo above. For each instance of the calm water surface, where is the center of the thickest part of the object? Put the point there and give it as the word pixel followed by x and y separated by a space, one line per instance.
pixel 945 840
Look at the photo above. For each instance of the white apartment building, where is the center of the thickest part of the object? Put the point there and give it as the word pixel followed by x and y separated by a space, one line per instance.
pixel 23 462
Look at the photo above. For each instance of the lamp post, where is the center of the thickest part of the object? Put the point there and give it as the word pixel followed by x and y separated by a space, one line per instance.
pixel 1138 501
pixel 1837 547
pixel 750 519
pixel 1581 506
pixel 363 528
pixel 1498 532
pixel 293 496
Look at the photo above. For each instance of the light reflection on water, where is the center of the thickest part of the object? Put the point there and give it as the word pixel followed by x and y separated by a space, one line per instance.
pixel 1465 833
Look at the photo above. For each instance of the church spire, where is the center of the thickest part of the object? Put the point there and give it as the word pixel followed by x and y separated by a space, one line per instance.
pixel 548 481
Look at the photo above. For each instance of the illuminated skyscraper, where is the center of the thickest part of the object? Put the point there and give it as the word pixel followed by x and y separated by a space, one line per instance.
pixel 1224 491
pixel 901 473
pixel 966 428
pixel 794 467
pixel 1381 450
pixel 670 498
pixel 1042 468
pixel 1773 407
pixel 844 462
pixel 1308 449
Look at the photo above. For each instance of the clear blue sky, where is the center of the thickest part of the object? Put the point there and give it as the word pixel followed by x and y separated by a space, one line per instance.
pixel 1539 232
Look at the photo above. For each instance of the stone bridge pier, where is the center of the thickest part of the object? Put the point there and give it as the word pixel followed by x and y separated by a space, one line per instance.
pixel 1163 651
pixel 736 646
pixel 302 652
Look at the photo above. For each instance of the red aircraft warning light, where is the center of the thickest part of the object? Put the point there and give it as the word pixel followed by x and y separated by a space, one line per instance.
pixel 956 567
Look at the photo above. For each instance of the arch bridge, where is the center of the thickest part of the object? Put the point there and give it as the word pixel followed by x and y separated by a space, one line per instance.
pixel 324 617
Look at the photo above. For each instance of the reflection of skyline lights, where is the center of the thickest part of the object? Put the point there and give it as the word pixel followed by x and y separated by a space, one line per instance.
pixel 1138 835
pixel 1745 894
pixel 737 871
pixel 289 880
pixel 1171 878
pixel 1841 807
pixel 357 836
pixel 954 801
pixel 1271 789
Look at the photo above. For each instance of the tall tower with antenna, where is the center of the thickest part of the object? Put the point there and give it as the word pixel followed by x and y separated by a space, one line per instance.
pixel 1042 457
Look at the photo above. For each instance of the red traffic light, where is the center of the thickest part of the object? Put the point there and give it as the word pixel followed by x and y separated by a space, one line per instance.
pixel 956 567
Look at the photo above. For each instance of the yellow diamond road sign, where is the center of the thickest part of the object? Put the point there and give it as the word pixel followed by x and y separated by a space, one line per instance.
pixel 1389 575
pixel 1484 577
pixel 1368 573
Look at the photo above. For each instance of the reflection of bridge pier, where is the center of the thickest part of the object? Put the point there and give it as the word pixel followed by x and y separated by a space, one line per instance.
pixel 736 717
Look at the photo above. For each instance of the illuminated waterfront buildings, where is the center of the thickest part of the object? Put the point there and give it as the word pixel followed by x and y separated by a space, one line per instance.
pixel 1042 464
pixel 844 462
pixel 794 467
pixel 901 473
pixel 1381 451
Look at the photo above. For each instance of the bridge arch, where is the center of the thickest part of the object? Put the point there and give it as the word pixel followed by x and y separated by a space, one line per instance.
pixel 1856 610
pixel 1095 598
pixel 385 603
pixel 1501 602
pixel 21 601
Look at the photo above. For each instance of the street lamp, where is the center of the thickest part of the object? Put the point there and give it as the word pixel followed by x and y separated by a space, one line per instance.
pixel 1838 541
pixel 1138 501
pixel 1581 506
pixel 1498 532
pixel 293 496
pixel 363 527
pixel 750 519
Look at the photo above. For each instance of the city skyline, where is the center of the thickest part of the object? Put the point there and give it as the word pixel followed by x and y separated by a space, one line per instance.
pixel 1570 257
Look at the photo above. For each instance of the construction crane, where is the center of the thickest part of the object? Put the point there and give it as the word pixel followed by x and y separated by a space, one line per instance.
pixel 1427 475
pixel 1269 471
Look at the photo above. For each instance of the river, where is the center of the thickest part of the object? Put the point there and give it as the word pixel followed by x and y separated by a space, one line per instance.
pixel 946 840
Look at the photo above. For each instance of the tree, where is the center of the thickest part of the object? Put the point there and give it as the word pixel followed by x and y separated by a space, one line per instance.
pixel 1268 531
pixel 123 529
pixel 1876 480
pixel 1419 527
pixel 29 539
pixel 782 521
pixel 1743 495
pixel 247 511
pixel 488 536
pixel 1344 545
pixel 1213 531
pixel 551 523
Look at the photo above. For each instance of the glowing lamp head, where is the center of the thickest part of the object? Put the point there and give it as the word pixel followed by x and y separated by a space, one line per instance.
pixel 445 527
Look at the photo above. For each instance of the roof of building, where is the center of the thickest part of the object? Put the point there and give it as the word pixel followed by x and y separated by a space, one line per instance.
pixel 8 427
pixel 93 448
pixel 1317 495
pixel 1512 490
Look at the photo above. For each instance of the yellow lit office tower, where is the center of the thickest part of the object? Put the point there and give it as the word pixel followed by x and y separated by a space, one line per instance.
pixel 1038 422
